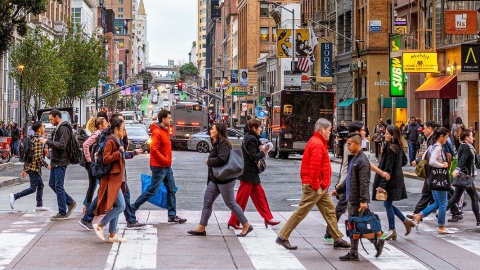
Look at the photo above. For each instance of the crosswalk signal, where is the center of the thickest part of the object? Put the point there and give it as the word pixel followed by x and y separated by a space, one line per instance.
pixel 145 85
pixel 179 85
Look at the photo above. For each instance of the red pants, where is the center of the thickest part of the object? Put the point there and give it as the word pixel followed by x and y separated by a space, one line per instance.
pixel 259 199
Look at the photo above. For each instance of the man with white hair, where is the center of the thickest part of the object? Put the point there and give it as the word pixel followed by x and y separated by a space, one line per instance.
pixel 316 173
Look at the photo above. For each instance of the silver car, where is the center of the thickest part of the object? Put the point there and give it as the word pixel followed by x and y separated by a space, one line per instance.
pixel 202 143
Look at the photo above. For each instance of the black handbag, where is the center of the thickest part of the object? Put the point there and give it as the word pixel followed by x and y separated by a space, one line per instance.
pixel 232 169
pixel 462 180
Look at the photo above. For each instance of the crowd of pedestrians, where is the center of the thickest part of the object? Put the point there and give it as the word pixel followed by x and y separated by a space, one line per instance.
pixel 427 141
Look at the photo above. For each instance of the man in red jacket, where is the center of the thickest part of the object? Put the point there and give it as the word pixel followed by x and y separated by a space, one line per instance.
pixel 316 173
pixel 161 166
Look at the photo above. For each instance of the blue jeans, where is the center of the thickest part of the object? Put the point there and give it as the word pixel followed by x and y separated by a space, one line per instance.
pixel 160 175
pixel 392 211
pixel 112 215
pixel 56 182
pixel 440 203
pixel 412 151
pixel 129 213
pixel 36 184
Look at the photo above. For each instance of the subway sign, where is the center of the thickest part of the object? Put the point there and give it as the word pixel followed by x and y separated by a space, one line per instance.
pixel 397 78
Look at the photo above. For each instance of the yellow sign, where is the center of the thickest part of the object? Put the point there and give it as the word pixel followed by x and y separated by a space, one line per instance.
pixel 288 109
pixel 420 62
pixel 285 41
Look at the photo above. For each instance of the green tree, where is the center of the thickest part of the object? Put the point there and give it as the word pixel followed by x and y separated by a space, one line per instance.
pixel 84 59
pixel 188 71
pixel 43 71
pixel 14 17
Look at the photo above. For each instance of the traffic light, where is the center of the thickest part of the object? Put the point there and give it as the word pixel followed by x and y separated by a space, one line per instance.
pixel 250 111
pixel 179 85
pixel 76 110
pixel 102 102
pixel 145 85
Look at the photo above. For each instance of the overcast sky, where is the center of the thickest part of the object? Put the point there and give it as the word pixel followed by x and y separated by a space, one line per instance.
pixel 172 27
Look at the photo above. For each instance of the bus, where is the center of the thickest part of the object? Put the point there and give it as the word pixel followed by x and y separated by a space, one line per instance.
pixel 188 118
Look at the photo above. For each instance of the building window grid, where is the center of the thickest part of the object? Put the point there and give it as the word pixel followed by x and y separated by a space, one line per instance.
pixel 274 34
pixel 120 9
pixel 264 10
pixel 264 34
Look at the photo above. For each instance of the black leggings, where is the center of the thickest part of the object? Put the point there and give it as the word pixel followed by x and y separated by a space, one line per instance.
pixel 473 196
pixel 92 184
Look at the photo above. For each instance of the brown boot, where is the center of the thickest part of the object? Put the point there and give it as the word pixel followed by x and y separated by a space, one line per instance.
pixel 409 224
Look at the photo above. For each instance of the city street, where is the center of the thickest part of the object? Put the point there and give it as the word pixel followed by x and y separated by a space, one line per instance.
pixel 28 239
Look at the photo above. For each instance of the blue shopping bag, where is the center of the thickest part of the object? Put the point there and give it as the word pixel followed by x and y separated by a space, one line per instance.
pixel 160 198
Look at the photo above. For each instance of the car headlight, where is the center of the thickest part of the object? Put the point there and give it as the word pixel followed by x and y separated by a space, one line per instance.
pixel 149 141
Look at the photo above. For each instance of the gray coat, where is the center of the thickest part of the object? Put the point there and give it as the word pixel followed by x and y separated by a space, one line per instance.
pixel 392 161
pixel 359 180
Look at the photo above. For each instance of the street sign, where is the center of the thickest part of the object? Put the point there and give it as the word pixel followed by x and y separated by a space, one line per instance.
pixel 14 104
pixel 244 107
pixel 261 114
pixel 382 82
pixel 239 93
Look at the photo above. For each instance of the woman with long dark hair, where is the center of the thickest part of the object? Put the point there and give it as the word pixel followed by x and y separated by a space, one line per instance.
pixel 466 165
pixel 392 160
pixel 112 186
pixel 437 160
pixel 250 185
pixel 218 157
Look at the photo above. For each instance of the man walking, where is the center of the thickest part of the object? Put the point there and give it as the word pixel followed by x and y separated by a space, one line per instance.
pixel 59 160
pixel 160 164
pixel 34 169
pixel 410 131
pixel 315 172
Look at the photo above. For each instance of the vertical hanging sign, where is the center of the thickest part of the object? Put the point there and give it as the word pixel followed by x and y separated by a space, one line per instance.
pixel 325 71
pixel 397 81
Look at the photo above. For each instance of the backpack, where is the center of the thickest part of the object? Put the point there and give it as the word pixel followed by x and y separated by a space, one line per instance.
pixel 423 166
pixel 98 168
pixel 25 149
pixel 75 154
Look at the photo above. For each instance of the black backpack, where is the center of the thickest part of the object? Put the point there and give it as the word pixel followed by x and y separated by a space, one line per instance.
pixel 25 149
pixel 75 154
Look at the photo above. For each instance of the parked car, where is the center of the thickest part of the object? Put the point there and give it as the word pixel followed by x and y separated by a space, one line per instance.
pixel 202 143
pixel 139 138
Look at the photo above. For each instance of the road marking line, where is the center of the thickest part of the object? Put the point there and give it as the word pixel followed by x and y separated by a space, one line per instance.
pixel 391 257
pixel 264 253
pixel 139 250
pixel 464 242
pixel 19 234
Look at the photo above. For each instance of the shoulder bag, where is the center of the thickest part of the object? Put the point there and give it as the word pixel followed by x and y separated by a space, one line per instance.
pixel 438 178
pixel 232 169
pixel 261 164
pixel 463 180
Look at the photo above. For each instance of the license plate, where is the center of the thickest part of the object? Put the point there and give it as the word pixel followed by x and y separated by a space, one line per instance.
pixel 287 136
pixel 138 146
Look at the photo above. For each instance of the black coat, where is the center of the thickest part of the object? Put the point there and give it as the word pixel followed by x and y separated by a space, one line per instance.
pixel 392 161
pixel 251 142
pixel 217 158
pixel 60 145
pixel 359 180
pixel 465 159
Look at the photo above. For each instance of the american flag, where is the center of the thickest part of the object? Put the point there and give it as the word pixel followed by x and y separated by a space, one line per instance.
pixel 305 63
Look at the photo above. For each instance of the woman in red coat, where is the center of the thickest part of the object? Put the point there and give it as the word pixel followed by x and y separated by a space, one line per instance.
pixel 250 185
pixel 112 185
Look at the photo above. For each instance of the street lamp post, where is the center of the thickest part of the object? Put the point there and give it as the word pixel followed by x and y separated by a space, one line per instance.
pixel 292 68
pixel 20 70
pixel 359 79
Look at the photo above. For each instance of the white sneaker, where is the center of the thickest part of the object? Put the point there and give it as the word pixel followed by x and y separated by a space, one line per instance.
pixel 99 232
pixel 41 208
pixel 116 239
pixel 12 200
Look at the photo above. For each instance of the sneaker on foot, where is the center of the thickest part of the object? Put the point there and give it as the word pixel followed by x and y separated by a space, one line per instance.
pixel 87 225
pixel 41 208
pixel 387 235
pixel 349 257
pixel 285 244
pixel 177 219
pixel 58 217
pixel 328 240
pixel 136 226
pixel 341 244
pixel 455 218
pixel 12 200
pixel 70 208
pixel 116 239
pixel 99 232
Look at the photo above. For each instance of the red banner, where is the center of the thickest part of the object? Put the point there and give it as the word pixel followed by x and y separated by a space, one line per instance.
pixel 461 22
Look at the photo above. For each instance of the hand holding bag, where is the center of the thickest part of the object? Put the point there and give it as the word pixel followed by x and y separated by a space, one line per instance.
pixel 463 180
pixel 381 196
pixel 232 169
pixel 160 198
pixel 365 225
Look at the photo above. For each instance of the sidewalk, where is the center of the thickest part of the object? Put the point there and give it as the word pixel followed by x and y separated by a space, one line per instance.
pixel 408 170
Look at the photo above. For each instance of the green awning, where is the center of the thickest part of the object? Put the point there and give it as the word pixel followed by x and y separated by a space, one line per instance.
pixel 347 102
pixel 400 102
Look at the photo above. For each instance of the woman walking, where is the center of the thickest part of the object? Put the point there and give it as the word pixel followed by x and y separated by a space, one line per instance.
pixel 95 126
pixel 250 185
pixel 112 185
pixel 466 165
pixel 218 157
pixel 392 160
pixel 438 183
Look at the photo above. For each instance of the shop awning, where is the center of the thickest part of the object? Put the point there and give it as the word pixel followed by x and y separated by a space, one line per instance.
pixel 443 87
pixel 400 102
pixel 347 102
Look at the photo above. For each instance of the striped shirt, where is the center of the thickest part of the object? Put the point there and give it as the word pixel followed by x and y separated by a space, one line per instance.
pixel 38 159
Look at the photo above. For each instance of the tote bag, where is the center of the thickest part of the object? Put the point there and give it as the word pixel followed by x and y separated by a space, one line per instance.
pixel 232 169
pixel 160 198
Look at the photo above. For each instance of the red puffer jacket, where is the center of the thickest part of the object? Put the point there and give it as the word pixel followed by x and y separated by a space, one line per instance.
pixel 316 170
pixel 161 147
